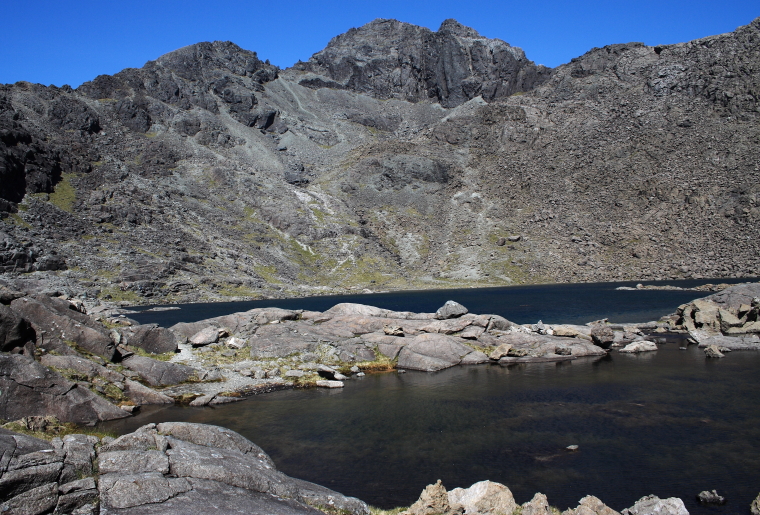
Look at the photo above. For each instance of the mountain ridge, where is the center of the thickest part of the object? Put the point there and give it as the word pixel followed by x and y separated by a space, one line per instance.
pixel 209 174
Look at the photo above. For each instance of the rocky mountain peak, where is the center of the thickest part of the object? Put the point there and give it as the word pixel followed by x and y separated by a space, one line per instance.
pixel 453 27
pixel 392 59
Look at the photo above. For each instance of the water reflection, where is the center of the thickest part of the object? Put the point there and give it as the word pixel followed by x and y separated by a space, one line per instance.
pixel 670 423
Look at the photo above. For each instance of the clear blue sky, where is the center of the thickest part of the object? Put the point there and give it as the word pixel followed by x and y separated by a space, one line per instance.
pixel 70 42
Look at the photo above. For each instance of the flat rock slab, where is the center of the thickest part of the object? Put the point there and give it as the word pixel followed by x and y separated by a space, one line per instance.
pixel 215 498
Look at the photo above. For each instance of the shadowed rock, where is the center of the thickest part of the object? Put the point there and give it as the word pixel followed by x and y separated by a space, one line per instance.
pixel 31 389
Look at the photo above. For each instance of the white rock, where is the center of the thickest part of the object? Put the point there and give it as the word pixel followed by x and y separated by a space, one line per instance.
pixel 639 346
pixel 324 383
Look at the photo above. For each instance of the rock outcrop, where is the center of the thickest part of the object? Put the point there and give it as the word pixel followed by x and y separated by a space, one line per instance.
pixel 30 389
pixel 391 59
pixel 172 468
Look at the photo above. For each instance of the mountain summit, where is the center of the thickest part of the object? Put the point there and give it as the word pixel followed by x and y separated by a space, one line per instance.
pixel 392 59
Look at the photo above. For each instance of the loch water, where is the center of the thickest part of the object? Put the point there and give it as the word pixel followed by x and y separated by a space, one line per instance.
pixel 669 423
pixel 576 303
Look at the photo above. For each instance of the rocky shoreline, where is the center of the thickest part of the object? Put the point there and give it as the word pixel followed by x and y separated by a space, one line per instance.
pixel 84 364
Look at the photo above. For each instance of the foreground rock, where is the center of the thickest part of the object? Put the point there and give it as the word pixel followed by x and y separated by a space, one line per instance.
pixel 653 505
pixel 170 468
pixel 489 498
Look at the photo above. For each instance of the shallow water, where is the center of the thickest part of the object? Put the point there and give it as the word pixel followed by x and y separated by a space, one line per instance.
pixel 669 423
pixel 552 303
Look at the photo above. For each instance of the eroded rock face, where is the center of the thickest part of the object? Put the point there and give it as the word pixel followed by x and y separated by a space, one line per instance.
pixel 59 319
pixel 392 59
pixel 32 389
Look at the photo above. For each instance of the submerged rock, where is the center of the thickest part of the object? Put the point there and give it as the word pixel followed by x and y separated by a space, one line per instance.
pixel 711 497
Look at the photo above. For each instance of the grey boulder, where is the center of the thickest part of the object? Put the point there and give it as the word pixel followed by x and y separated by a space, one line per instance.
pixel 451 309
pixel 14 330
pixel 159 373
pixel 151 338
pixel 653 505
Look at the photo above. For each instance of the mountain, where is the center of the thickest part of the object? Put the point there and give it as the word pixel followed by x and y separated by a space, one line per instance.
pixel 395 158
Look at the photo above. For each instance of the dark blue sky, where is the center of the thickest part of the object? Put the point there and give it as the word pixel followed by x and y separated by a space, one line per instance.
pixel 69 42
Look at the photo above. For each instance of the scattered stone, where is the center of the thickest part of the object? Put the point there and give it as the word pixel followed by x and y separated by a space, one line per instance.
pixel 500 351
pixel 451 309
pixel 711 497
pixel 713 351
pixel 755 506
pixel 294 373
pixel 434 500
pixel 393 330
pixel 325 383
pixel 205 336
pixel 602 336
pixel 236 343
pixel 591 505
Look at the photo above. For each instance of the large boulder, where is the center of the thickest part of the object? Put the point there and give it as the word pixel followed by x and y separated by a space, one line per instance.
pixel 434 500
pixel 30 389
pixel 590 505
pixel 603 336
pixel 432 352
pixel 151 338
pixel 14 330
pixel 451 309
pixel 159 373
pixel 653 505
pixel 484 498
pixel 59 319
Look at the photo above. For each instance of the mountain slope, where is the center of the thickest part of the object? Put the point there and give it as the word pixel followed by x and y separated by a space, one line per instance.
pixel 395 158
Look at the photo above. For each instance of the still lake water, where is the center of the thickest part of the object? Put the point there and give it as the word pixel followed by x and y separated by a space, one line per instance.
pixel 669 423
pixel 552 303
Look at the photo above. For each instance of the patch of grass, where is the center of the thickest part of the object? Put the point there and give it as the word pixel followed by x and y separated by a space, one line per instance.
pixel 56 429
pixel 378 511
pixel 151 134
pixel 166 356
pixel 64 195
pixel 228 290
pixel 17 220
pixel 267 272
pixel 71 374
pixel 116 294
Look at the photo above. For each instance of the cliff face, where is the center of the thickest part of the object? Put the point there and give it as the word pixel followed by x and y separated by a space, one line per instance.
pixel 397 157
pixel 391 59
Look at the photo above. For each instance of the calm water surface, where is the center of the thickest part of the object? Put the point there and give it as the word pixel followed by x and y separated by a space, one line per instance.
pixel 552 303
pixel 669 423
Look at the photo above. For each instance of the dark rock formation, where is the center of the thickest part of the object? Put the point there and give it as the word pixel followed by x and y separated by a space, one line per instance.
pixel 30 389
pixel 392 59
